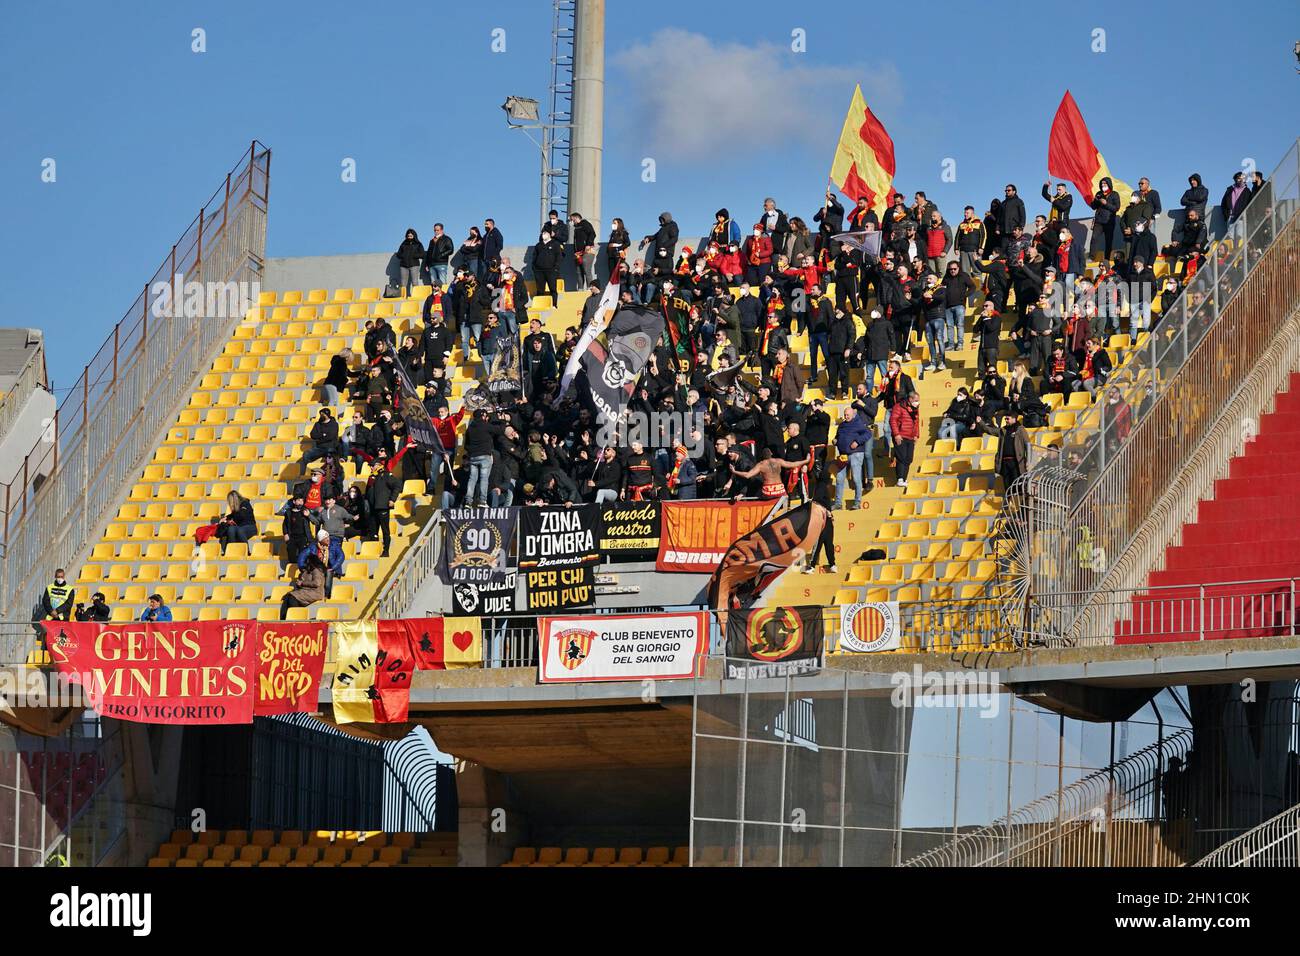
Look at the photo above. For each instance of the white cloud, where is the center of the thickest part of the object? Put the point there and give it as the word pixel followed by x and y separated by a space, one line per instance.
pixel 682 96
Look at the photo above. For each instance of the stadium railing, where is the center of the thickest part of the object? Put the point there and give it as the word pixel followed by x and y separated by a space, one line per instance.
pixel 111 418
pixel 1218 358
pixel 1275 842
pixel 1104 819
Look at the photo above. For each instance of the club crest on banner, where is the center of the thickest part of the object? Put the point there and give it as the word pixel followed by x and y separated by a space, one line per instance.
pixel 866 627
pixel 574 645
pixel 232 639
pixel 773 633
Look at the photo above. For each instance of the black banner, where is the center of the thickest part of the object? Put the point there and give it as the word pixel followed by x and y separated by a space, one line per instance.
pixel 774 641
pixel 418 423
pixel 629 530
pixel 558 552
pixel 484 600
pixel 613 362
pixel 476 545
pixel 758 558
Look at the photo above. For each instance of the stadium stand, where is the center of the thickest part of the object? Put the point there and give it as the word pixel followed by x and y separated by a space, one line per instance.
pixel 243 430
pixel 298 848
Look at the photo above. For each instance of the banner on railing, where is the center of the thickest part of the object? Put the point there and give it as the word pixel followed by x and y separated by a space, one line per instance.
pixel 290 658
pixel 227 672
pixel 758 558
pixel 774 641
pixel 557 551
pixel 374 661
pixel 485 599
pixel 866 627
pixel 197 673
pixel 476 545
pixel 629 530
pixel 621 646
pixel 694 535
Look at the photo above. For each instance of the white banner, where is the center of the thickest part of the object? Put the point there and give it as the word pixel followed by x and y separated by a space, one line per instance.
pixel 621 646
pixel 869 627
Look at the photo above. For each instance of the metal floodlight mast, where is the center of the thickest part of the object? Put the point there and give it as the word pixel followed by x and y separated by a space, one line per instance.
pixel 573 130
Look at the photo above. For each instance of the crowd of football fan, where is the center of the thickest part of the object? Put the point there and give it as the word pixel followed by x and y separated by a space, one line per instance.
pixel 746 291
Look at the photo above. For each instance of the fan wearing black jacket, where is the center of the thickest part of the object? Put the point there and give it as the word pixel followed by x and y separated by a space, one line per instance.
pixel 584 247
pixel 547 255
pixel 839 344
pixel 830 220
pixel 437 257
pixel 664 244
pixel 409 256
pixel 988 326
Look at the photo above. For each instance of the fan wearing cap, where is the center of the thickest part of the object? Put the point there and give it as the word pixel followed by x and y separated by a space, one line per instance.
pixel 683 475
pixel 330 554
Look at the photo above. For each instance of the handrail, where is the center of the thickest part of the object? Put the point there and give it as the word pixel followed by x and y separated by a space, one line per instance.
pixel 1174 388
pixel 109 422
pixel 1099 798
pixel 1275 842
pixel 394 595
pixel 1204 299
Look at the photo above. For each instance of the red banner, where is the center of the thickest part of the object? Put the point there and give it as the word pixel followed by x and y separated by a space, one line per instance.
pixel 290 658
pixel 195 673
pixel 694 535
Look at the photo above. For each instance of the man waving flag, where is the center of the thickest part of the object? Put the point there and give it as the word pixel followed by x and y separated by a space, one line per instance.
pixel 1072 155
pixel 864 157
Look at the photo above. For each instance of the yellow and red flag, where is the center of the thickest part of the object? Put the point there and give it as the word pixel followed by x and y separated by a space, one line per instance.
pixel 864 157
pixel 375 660
pixel 372 672
pixel 1073 156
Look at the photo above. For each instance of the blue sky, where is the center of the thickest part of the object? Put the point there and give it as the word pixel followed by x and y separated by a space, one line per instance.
pixel 142 128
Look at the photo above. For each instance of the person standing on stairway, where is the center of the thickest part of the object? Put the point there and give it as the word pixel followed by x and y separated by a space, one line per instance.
pixel 905 420
pixel 1013 450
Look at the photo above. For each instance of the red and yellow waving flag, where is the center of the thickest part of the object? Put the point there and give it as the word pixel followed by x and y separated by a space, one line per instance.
pixel 1072 155
pixel 374 662
pixel 864 157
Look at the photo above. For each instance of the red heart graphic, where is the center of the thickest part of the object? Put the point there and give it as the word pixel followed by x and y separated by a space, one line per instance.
pixel 462 640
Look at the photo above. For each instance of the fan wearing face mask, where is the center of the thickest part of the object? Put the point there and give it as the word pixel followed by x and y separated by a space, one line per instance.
pixel 58 598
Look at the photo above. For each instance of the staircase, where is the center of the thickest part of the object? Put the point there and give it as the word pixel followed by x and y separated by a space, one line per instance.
pixel 1111 817
pixel 433 849
pixel 1235 571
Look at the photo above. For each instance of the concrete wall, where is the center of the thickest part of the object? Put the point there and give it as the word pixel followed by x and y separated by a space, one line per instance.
pixel 366 270
pixel 24 435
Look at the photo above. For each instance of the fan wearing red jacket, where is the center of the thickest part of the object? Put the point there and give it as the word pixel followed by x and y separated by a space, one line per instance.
pixel 905 421
pixel 756 256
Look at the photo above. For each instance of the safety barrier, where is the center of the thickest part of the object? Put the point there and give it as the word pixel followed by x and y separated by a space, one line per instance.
pixel 111 419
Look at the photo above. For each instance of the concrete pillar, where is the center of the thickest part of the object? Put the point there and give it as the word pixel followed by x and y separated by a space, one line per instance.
pixel 588 139
pixel 150 773
pixel 490 826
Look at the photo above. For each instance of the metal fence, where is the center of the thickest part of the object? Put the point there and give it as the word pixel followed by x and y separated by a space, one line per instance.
pixel 110 421
pixel 1139 462
pixel 1274 842
pixel 1110 817
pixel 834 769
